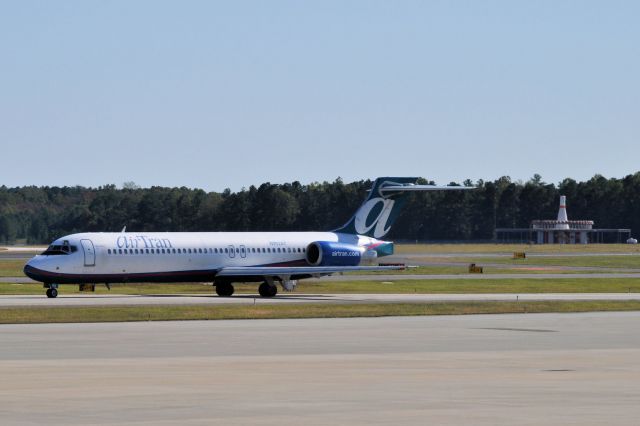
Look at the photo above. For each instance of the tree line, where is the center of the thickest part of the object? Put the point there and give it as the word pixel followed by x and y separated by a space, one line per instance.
pixel 38 215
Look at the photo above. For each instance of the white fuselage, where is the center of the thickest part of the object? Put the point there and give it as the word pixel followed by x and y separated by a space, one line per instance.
pixel 174 256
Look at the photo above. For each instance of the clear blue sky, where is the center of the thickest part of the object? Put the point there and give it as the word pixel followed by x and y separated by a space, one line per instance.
pixel 229 94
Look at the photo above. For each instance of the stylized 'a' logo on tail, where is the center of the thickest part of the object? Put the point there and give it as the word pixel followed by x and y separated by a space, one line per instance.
pixel 383 205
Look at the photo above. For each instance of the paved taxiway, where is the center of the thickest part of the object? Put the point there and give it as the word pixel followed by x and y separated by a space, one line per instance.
pixel 531 369
pixel 248 299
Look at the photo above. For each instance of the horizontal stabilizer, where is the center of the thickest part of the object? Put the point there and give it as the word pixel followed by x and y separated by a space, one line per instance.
pixel 397 188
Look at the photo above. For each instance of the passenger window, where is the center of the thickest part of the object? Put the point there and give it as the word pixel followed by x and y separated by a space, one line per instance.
pixel 125 251
pixel 108 251
pixel 153 251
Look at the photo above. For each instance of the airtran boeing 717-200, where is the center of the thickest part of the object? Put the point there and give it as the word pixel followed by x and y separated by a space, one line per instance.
pixel 224 258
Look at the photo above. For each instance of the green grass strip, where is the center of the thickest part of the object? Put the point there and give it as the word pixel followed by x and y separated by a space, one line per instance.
pixel 631 261
pixel 11 268
pixel 30 315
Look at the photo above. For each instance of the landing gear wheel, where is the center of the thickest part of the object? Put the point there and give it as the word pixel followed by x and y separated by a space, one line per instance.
pixel 267 290
pixel 224 290
pixel 52 292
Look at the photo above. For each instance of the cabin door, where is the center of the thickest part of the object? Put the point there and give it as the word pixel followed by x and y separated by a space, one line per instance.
pixel 89 253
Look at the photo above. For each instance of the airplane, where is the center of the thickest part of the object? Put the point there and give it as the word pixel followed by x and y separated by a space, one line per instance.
pixel 224 258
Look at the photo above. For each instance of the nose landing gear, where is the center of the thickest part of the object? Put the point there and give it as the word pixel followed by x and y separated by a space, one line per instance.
pixel 52 290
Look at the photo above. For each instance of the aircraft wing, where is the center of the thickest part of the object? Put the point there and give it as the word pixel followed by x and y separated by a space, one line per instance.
pixel 283 271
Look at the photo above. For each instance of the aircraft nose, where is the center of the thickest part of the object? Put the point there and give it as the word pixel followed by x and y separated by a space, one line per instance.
pixel 31 272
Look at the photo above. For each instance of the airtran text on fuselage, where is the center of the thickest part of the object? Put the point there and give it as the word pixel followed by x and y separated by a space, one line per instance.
pixel 142 241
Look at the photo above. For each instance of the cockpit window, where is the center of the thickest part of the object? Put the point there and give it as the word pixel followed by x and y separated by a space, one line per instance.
pixel 59 249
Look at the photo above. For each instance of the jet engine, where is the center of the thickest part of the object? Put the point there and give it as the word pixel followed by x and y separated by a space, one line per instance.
pixel 327 253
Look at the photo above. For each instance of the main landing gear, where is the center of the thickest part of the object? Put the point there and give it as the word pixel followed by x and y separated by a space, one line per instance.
pixel 52 290
pixel 267 289
pixel 224 289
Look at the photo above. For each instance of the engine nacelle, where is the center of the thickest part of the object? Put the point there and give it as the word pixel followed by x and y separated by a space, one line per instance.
pixel 326 253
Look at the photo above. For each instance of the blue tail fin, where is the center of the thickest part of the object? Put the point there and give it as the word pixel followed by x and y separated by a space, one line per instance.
pixel 384 204
pixel 381 208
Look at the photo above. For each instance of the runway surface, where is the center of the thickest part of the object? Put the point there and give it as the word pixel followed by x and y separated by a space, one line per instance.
pixel 289 298
pixel 531 369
